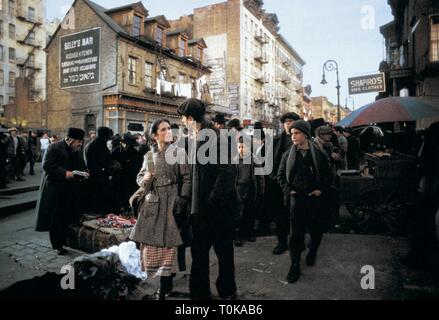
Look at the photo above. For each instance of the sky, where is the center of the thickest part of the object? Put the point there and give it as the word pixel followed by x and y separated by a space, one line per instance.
pixel 347 31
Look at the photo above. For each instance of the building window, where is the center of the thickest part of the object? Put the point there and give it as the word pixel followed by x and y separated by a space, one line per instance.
pixel 31 38
pixel 31 61
pixel 198 53
pixel 148 75
pixel 181 78
pixel 11 31
pixel 181 47
pixel 11 55
pixel 137 25
pixel 2 100
pixel 2 78
pixel 434 42
pixel 132 70
pixel 11 79
pixel 11 100
pixel 1 27
pixel 11 8
pixel 2 53
pixel 30 14
pixel 159 35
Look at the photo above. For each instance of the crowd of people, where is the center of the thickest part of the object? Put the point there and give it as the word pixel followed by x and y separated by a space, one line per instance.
pixel 201 204
pixel 19 149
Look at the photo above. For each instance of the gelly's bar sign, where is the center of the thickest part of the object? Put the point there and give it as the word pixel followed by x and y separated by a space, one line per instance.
pixel 366 84
pixel 80 59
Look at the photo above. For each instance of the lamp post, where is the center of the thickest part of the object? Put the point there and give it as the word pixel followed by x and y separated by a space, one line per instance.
pixel 353 102
pixel 332 65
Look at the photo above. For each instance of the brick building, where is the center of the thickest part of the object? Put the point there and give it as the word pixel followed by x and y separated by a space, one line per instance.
pixel 412 47
pixel 256 73
pixel 22 40
pixel 120 68
pixel 322 108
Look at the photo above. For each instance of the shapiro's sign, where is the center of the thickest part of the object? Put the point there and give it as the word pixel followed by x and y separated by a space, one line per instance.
pixel 366 84
pixel 80 59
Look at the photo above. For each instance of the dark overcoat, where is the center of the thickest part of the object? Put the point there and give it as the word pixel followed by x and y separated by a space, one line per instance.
pixel 59 196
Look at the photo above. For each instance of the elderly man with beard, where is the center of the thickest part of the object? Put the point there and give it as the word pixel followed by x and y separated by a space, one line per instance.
pixel 60 194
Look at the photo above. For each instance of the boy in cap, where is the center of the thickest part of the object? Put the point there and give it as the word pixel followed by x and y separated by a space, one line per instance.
pixel 282 143
pixel 60 195
pixel 304 176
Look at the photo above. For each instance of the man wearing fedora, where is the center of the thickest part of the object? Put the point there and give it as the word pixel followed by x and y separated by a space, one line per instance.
pixel 60 195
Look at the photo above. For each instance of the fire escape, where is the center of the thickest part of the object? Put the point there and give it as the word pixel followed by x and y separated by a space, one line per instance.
pixel 28 66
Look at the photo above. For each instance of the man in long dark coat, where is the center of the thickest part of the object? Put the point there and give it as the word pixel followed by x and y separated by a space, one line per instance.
pixel 214 201
pixel 60 197
pixel 305 177
pixel 282 143
pixel 99 159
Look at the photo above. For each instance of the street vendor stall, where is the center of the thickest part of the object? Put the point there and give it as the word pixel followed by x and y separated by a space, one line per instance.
pixel 97 233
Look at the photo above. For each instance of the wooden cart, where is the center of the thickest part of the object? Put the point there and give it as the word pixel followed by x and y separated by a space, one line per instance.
pixel 379 201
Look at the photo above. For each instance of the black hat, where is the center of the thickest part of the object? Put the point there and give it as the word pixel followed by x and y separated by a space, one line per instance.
pixel 129 139
pixel 105 133
pixel 219 118
pixel 258 125
pixel 75 133
pixel 302 126
pixel 290 115
pixel 234 123
pixel 349 130
pixel 193 108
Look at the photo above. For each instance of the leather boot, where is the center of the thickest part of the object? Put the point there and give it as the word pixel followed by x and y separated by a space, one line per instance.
pixel 280 248
pixel 311 257
pixel 294 273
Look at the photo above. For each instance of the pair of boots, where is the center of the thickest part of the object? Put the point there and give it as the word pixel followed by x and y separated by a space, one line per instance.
pixel 294 273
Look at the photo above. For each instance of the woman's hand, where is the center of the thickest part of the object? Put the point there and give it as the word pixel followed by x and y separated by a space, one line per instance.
pixel 148 177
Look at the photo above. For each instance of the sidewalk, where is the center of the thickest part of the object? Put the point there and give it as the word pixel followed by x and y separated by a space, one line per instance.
pixel 23 195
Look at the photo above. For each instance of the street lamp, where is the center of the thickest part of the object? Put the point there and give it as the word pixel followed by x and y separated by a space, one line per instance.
pixel 332 65
pixel 353 102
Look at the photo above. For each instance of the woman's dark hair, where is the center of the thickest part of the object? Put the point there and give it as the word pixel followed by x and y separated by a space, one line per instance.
pixel 156 124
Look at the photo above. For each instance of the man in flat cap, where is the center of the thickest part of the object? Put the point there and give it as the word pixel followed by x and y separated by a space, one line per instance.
pixel 282 143
pixel 213 203
pixel 60 199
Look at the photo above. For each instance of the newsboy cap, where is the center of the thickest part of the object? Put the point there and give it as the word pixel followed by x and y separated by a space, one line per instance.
pixel 193 108
pixel 75 133
pixel 322 130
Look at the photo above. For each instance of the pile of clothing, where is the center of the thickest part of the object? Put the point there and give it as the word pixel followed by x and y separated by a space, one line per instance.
pixel 115 221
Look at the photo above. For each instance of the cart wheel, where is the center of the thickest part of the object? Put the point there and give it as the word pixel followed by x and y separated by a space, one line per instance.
pixel 380 212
